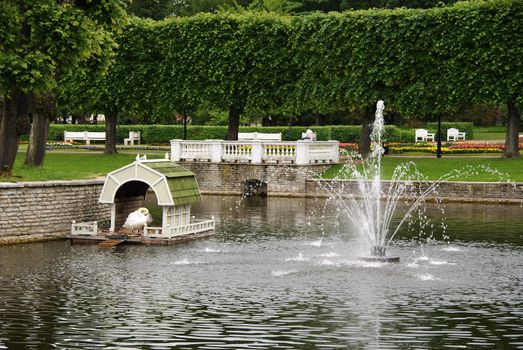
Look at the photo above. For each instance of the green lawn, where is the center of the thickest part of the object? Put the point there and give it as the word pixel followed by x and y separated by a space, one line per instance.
pixel 434 168
pixel 489 133
pixel 71 166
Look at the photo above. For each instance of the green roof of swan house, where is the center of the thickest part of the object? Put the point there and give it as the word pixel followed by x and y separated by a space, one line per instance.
pixel 182 182
pixel 172 184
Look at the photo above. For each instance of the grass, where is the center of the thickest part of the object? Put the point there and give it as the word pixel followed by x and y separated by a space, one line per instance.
pixel 71 166
pixel 490 133
pixel 83 165
pixel 434 168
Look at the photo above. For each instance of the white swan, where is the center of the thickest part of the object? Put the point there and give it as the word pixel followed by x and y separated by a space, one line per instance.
pixel 137 219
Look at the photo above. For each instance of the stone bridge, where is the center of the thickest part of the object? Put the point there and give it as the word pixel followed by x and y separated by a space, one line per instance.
pixel 262 179
pixel 253 166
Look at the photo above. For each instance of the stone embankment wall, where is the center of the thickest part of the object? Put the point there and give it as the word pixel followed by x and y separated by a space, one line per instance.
pixel 44 210
pixel 486 192
pixel 231 178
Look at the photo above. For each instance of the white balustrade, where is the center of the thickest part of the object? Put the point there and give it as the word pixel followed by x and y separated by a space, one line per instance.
pixel 256 152
pixel 236 151
pixel 279 152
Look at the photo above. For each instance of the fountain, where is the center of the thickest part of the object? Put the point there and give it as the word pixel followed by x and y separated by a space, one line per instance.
pixel 373 205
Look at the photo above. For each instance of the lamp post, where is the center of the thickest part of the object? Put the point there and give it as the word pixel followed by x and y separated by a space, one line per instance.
pixel 289 133
pixel 185 125
pixel 438 149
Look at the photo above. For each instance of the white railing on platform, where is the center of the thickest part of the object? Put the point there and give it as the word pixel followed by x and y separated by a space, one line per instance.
pixel 280 151
pixel 84 228
pixel 170 232
pixel 256 152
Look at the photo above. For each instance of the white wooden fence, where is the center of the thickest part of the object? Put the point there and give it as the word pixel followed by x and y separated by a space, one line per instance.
pixel 170 232
pixel 256 152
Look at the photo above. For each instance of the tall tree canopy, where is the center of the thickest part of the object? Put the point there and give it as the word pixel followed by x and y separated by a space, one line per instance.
pixel 421 62
pixel 40 41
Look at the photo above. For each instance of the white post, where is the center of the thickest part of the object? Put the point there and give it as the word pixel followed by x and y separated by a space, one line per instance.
pixel 257 152
pixel 216 151
pixel 86 137
pixel 302 152
pixel 335 151
pixel 176 150
pixel 145 233
pixel 113 218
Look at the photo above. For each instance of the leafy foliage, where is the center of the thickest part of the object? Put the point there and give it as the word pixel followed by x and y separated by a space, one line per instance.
pixel 421 62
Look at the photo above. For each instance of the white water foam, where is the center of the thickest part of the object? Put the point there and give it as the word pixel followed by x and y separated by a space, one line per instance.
pixel 184 261
pixel 330 255
pixel 211 250
pixel 300 257
pixel 441 262
pixel 427 277
pixel 452 249
pixel 317 243
pixel 281 273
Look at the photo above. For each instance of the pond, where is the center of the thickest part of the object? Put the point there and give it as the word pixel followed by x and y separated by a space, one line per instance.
pixel 280 273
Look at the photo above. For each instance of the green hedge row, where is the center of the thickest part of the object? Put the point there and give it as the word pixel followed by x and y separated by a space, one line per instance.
pixel 466 127
pixel 152 134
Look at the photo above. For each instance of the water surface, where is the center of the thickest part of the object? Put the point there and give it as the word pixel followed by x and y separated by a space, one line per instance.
pixel 279 274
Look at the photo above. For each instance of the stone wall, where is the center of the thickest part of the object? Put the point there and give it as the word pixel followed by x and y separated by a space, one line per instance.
pixel 45 210
pixel 495 192
pixel 232 177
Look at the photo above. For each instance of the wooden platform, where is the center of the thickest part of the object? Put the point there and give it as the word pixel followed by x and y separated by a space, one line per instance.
pixel 103 241
pixel 110 243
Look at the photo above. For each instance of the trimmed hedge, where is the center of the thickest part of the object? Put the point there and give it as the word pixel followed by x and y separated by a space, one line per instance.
pixel 152 134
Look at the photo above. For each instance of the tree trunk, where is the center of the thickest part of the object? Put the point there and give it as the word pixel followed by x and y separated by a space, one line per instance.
pixel 110 132
pixel 234 122
pixel 13 124
pixel 37 140
pixel 366 129
pixel 512 136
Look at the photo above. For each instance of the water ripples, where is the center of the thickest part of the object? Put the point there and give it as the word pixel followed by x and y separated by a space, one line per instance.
pixel 256 291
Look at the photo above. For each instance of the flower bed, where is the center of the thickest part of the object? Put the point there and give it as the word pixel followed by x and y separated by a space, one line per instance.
pixel 346 147
pixel 447 147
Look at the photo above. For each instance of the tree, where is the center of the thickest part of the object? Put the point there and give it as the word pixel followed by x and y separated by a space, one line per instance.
pixel 44 108
pixel 153 9
pixel 421 62
pixel 40 41
pixel 389 4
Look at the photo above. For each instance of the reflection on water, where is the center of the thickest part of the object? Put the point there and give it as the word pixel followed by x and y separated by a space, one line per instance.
pixel 279 274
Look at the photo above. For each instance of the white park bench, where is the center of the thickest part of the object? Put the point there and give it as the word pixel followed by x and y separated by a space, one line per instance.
pixel 454 134
pixel 259 136
pixel 424 135
pixel 133 136
pixel 87 136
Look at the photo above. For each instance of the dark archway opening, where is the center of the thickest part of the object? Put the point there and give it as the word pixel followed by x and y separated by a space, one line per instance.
pixel 128 198
pixel 254 187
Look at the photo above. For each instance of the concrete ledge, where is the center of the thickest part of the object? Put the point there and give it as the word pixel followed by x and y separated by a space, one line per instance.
pixel 465 192
pixel 43 184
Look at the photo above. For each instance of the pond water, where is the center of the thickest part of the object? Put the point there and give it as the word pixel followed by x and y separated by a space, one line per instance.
pixel 279 274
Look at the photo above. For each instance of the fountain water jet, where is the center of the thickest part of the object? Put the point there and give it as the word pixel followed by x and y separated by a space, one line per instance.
pixel 371 210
